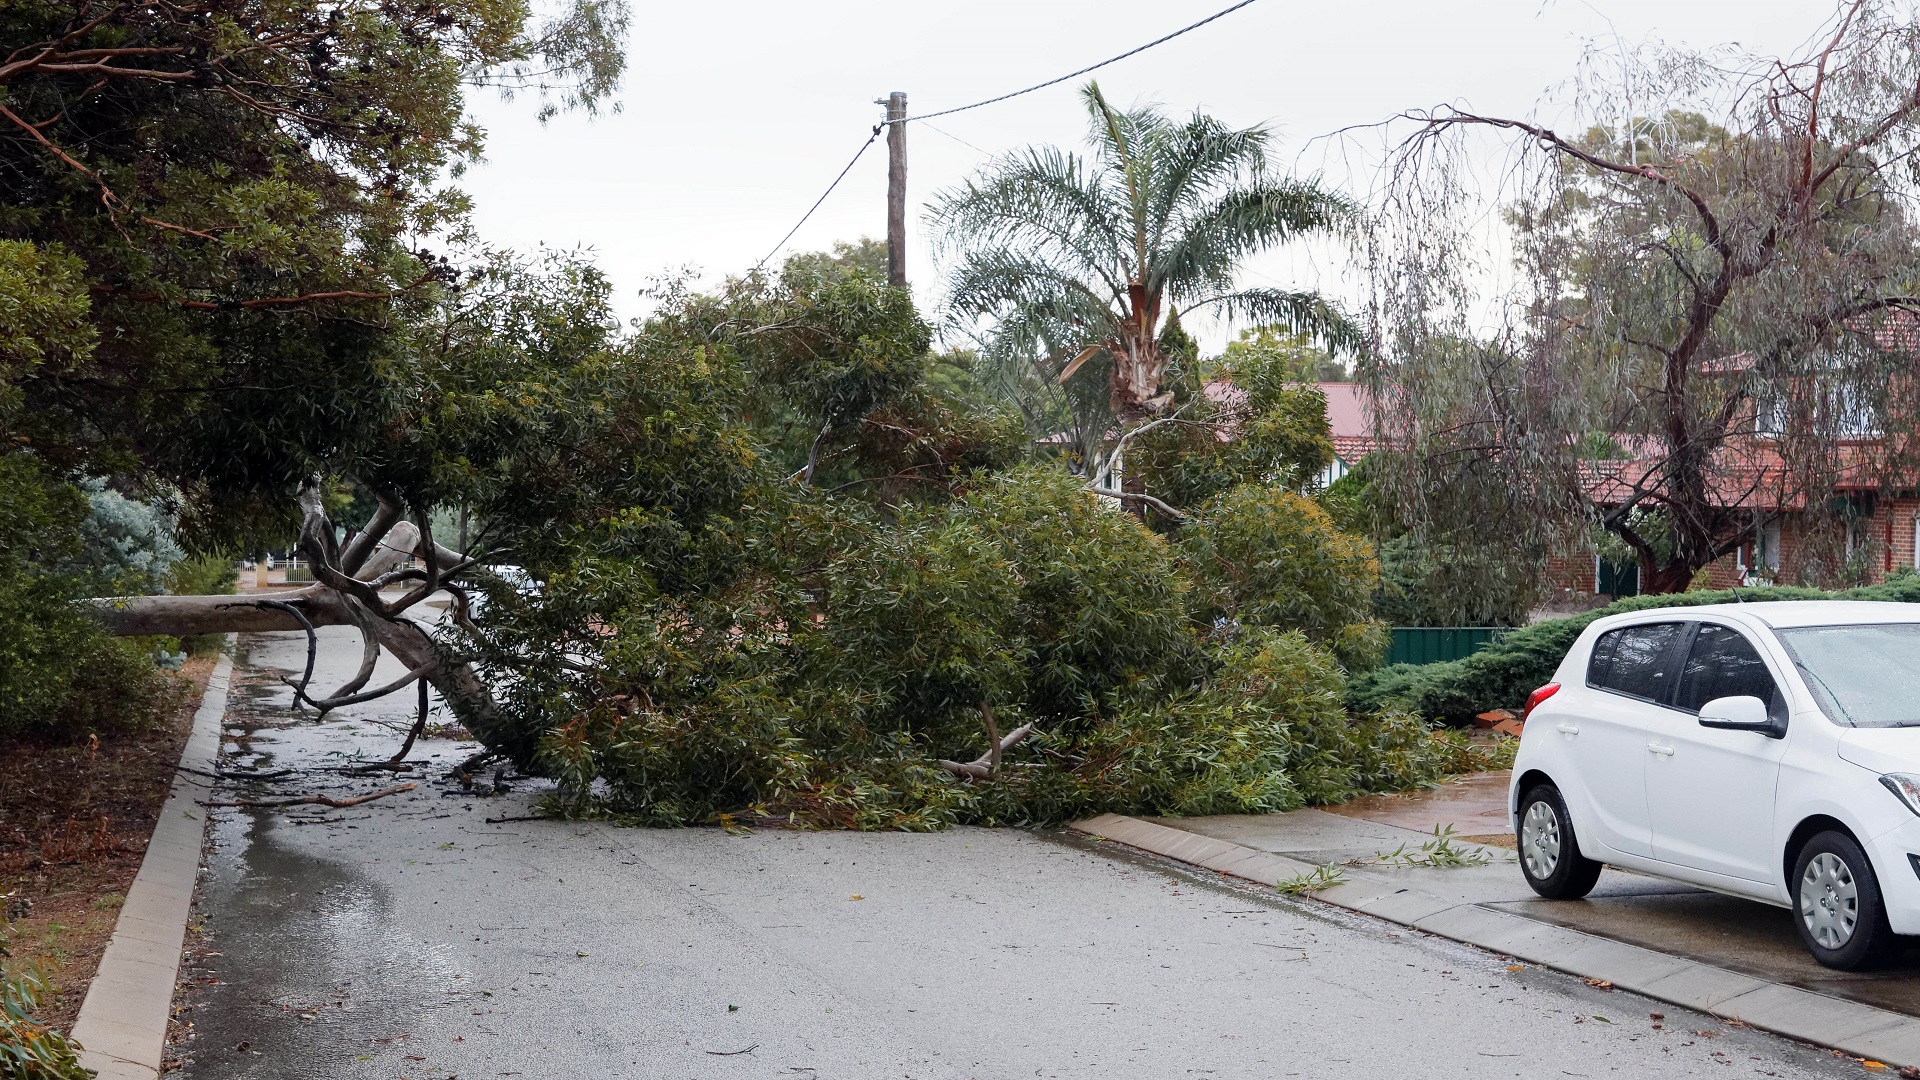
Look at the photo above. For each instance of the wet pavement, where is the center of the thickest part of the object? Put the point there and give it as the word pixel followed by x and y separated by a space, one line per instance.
pixel 412 938
pixel 1739 935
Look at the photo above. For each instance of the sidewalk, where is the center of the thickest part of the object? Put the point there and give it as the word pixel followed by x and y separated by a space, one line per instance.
pixel 1741 940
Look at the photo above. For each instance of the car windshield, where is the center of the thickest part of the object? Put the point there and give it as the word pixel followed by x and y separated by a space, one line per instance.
pixel 1861 675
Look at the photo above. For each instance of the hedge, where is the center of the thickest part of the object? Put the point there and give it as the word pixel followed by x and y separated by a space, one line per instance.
pixel 1502 674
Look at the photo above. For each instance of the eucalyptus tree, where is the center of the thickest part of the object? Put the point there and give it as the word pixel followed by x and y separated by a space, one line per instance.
pixel 1075 266
pixel 1712 310
pixel 212 206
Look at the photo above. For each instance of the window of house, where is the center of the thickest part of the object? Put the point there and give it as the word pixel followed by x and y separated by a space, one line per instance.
pixel 1633 660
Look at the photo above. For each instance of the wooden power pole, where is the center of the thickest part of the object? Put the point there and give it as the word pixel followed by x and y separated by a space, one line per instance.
pixel 896 188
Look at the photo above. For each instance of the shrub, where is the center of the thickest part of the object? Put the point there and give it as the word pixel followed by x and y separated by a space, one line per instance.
pixel 60 672
pixel 1502 674
pixel 212 574
pixel 1263 556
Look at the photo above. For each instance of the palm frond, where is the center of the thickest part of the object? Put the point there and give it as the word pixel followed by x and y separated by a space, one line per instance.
pixel 1207 248
pixel 1298 312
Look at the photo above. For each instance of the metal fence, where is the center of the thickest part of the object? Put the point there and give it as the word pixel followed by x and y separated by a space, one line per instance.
pixel 1439 644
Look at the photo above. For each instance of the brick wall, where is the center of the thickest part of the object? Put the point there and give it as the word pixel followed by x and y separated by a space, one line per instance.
pixel 1571 573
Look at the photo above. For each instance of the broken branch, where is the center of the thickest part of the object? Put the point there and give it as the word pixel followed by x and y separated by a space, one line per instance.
pixel 313 800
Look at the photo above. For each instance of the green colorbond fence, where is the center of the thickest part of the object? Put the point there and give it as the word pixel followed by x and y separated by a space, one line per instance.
pixel 1438 644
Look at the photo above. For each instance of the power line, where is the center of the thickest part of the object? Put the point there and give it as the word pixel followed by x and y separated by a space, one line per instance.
pixel 878 128
pixel 1084 70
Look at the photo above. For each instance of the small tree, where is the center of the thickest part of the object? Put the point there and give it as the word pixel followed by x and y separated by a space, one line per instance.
pixel 1725 247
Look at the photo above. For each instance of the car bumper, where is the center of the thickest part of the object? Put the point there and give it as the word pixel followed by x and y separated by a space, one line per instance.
pixel 1892 853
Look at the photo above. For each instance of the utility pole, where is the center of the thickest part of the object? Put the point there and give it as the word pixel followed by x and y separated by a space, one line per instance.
pixel 896 188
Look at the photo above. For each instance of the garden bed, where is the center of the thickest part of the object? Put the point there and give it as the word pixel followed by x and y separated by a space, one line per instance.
pixel 76 819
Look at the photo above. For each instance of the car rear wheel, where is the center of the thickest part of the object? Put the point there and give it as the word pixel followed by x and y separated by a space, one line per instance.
pixel 1550 857
pixel 1837 906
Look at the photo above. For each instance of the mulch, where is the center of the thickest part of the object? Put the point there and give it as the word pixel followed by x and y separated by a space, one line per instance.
pixel 75 816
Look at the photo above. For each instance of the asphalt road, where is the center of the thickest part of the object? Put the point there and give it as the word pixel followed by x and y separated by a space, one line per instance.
pixel 410 938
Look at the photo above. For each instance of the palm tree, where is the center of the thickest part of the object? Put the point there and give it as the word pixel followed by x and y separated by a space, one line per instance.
pixel 1079 264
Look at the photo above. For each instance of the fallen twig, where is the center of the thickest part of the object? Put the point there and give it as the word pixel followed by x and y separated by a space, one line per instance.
pixel 504 820
pixel 313 800
pixel 733 1053
pixel 229 774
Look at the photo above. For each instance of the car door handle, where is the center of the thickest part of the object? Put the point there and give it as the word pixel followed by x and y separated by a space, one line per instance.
pixel 1569 729
pixel 1663 751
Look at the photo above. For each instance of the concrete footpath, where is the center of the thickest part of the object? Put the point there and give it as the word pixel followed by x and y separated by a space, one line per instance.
pixel 123 1019
pixel 1729 957
pixel 433 934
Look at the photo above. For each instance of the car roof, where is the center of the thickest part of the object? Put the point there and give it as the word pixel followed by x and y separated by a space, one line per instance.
pixel 1790 613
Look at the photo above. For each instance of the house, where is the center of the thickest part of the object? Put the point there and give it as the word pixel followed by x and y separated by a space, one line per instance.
pixel 1881 529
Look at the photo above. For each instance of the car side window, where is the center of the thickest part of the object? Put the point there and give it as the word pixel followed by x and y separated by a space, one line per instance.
pixel 1633 660
pixel 1722 663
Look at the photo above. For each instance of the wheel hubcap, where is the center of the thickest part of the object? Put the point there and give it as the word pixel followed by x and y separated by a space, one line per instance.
pixel 1829 900
pixel 1540 840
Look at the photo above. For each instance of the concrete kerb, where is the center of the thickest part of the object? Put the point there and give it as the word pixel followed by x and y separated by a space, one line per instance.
pixel 1860 1030
pixel 123 1021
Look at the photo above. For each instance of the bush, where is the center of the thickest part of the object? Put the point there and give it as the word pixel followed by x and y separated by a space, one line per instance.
pixel 1267 557
pixel 60 672
pixel 1502 674
pixel 211 574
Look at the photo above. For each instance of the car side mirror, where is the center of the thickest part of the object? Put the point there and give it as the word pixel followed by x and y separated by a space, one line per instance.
pixel 1742 712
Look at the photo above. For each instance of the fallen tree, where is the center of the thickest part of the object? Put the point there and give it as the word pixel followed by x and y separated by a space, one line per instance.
pixel 349 582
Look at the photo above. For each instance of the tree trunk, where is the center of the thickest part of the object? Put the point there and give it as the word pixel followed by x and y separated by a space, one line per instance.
pixel 357 568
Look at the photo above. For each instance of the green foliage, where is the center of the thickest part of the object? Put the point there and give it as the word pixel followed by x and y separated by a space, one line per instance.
pixel 207 287
pixel 1503 673
pixel 1263 427
pixel 60 673
pixel 43 316
pixel 1100 602
pixel 864 257
pixel 126 545
pixel 1443 850
pixel 29 1051
pixel 1436 582
pixel 1267 557
pixel 1096 258
pixel 1026 601
pixel 1319 878
pixel 1441 576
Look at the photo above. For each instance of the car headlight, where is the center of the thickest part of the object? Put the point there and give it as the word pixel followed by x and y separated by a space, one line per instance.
pixel 1905 787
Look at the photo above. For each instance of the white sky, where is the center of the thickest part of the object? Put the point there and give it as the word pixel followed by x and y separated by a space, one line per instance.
pixel 737 113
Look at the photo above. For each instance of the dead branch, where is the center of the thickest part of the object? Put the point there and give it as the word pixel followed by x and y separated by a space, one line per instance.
pixel 309 800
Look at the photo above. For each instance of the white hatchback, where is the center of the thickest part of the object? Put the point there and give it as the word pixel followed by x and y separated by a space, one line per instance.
pixel 1766 750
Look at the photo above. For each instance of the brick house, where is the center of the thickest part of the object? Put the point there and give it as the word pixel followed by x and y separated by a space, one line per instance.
pixel 1882 532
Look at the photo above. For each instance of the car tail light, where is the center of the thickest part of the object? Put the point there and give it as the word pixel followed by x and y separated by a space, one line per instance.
pixel 1537 697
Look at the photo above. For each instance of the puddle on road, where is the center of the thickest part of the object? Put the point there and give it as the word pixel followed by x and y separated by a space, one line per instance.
pixel 299 969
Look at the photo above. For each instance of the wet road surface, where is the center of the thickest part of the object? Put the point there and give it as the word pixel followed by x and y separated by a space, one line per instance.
pixel 410 938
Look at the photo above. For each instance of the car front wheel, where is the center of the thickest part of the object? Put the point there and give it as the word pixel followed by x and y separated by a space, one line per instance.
pixel 1837 906
pixel 1549 855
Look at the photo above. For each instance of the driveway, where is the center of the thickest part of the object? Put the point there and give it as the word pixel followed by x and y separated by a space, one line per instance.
pixel 409 937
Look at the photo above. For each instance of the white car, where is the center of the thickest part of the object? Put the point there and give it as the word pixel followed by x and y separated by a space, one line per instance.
pixel 1765 750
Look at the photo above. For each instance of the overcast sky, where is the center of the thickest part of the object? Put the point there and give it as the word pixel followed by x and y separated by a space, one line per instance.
pixel 737 113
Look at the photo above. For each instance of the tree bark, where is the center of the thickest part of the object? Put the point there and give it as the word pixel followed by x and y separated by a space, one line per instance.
pixel 409 641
